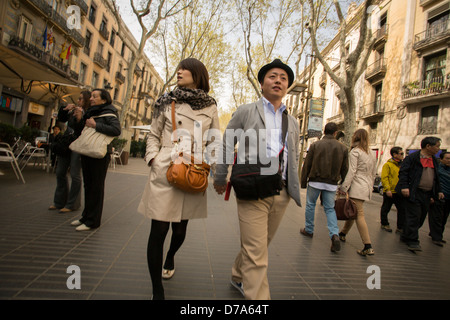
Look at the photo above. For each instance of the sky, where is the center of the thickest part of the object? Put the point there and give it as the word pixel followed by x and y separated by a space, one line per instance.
pixel 131 21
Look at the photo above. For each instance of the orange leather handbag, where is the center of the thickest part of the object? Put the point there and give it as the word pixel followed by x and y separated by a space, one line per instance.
pixel 185 173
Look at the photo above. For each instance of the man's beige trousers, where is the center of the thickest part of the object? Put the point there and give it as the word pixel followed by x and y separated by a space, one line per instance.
pixel 258 222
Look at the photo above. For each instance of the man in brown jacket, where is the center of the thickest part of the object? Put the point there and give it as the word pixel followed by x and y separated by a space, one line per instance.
pixel 325 165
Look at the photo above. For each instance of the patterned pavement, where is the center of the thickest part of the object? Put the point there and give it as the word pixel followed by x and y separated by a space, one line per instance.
pixel 38 248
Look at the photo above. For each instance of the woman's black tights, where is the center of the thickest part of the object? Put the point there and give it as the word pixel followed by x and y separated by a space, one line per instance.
pixel 155 246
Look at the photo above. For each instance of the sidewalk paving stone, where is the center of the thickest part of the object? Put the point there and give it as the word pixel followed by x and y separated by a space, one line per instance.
pixel 37 246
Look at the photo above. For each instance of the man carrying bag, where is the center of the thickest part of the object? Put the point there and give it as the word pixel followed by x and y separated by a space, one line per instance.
pixel 264 175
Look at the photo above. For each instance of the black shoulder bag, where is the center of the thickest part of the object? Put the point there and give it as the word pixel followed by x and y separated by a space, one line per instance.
pixel 247 180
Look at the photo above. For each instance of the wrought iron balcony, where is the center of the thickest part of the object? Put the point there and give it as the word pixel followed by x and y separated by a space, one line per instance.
pixel 99 60
pixel 104 33
pixel 82 5
pixel 120 77
pixel 38 56
pixel 418 91
pixel 59 21
pixel 436 34
pixel 372 111
pixel 381 36
pixel 376 71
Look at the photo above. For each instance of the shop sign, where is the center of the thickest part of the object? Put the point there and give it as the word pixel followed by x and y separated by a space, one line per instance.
pixel 10 103
pixel 36 108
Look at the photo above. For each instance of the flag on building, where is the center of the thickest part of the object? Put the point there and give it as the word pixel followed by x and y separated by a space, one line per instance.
pixel 44 42
pixel 69 52
pixel 50 39
pixel 65 52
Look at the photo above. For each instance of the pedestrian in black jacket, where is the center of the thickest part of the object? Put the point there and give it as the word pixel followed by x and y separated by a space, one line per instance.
pixel 94 170
pixel 419 184
pixel 67 199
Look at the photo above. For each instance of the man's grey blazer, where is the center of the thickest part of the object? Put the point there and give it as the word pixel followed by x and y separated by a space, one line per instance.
pixel 248 120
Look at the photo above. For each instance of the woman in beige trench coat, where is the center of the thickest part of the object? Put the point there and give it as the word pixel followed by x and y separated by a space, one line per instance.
pixel 359 184
pixel 195 115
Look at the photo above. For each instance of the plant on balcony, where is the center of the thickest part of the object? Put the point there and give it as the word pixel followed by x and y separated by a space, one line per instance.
pixel 436 86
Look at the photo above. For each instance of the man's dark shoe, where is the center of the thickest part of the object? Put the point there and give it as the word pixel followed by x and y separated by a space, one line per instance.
pixel 438 243
pixel 335 243
pixel 305 233
pixel 414 247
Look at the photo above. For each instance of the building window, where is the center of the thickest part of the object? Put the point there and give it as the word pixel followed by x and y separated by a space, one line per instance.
pixel 108 61
pixel 116 92
pixel 82 76
pixel 103 24
pixel 92 13
pixel 122 52
pixel 438 21
pixel 25 29
pixel 94 79
pixel 378 105
pixel 428 120
pixel 113 38
pixel 434 66
pixel 100 48
pixel 87 42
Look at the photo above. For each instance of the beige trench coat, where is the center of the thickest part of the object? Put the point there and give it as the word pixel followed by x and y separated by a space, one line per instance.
pixel 161 201
pixel 360 176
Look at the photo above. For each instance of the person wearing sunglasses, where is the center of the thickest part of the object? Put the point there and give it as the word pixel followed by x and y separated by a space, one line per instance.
pixel 389 180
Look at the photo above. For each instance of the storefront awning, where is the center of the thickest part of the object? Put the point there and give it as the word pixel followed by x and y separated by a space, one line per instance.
pixel 37 80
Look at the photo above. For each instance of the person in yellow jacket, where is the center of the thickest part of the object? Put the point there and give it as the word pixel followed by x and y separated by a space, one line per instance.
pixel 389 180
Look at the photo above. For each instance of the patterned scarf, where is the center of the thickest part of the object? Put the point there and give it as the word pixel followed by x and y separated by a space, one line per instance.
pixel 196 98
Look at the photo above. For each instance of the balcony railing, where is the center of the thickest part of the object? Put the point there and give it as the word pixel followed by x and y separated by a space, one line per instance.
pixel 82 4
pixel 120 77
pixel 372 110
pixel 39 56
pixel 434 34
pixel 58 20
pixel 98 59
pixel 376 70
pixel 427 88
pixel 104 33
pixel 381 36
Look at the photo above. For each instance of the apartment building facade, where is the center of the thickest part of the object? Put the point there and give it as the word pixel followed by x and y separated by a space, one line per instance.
pixel 50 50
pixel 403 95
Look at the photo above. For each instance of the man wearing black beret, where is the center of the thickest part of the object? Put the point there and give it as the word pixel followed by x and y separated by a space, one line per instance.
pixel 264 175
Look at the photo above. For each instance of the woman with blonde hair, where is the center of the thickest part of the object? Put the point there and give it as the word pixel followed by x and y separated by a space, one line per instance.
pixel 359 185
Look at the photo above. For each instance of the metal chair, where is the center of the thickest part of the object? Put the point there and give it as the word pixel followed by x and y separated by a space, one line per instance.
pixel 33 153
pixel 116 155
pixel 6 155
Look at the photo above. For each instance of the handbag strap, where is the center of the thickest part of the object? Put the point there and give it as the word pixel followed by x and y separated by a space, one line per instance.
pixel 106 115
pixel 174 125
